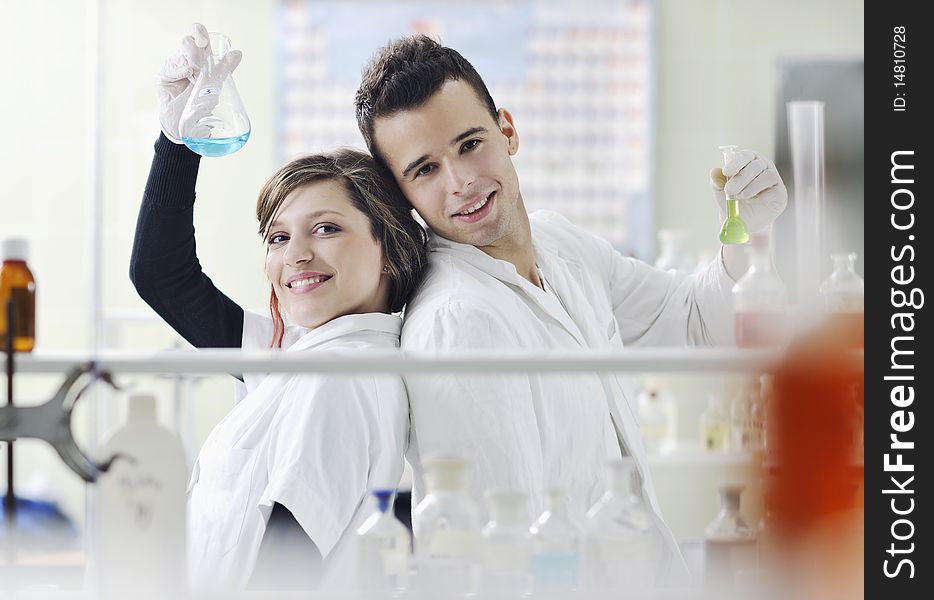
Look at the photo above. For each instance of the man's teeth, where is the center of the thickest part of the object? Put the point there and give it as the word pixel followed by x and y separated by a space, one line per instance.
pixel 475 207
pixel 309 281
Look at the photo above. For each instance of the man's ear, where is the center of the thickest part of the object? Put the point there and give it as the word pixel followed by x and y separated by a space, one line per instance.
pixel 508 128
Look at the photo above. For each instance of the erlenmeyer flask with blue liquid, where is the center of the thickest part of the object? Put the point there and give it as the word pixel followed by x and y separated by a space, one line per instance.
pixel 214 122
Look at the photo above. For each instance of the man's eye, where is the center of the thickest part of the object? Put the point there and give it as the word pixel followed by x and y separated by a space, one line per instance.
pixel 469 145
pixel 424 170
pixel 277 238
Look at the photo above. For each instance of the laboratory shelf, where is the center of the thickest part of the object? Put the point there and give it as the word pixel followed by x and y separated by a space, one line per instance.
pixel 705 360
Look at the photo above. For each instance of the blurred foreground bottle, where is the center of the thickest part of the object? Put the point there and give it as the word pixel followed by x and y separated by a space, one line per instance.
pixel 505 545
pixel 729 542
pixel 384 547
pixel 556 549
pixel 843 295
pixel 760 301
pixel 622 548
pixel 447 530
pixel 18 286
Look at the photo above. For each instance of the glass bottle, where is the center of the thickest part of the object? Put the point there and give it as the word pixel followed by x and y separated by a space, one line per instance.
pixel 843 294
pixel 622 546
pixel 555 548
pixel 760 301
pixel 729 542
pixel 384 547
pixel 657 417
pixel 715 429
pixel 757 417
pixel 674 254
pixel 214 122
pixel 766 396
pixel 17 285
pixel 447 529
pixel 506 544
pixel 733 230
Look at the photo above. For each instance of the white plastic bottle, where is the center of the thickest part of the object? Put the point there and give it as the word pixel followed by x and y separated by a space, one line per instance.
pixel 383 548
pixel 506 545
pixel 138 522
pixel 447 530
pixel 556 549
pixel 622 545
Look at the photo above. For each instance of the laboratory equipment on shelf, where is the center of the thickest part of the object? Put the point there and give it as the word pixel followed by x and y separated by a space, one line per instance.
pixel 556 548
pixel 733 230
pixel 138 518
pixel 622 548
pixel 760 300
pixel 505 545
pixel 729 542
pixel 674 254
pixel 214 121
pixel 842 293
pixel 747 418
pixel 383 548
pixel 17 288
pixel 447 529
pixel 657 417
pixel 714 425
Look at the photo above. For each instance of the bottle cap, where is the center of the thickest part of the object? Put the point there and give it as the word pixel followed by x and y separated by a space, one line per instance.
pixel 14 249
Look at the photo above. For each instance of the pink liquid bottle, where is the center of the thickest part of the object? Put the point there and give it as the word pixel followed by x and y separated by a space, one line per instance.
pixel 760 300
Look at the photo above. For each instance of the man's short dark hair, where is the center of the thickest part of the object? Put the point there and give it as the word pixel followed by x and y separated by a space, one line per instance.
pixel 403 75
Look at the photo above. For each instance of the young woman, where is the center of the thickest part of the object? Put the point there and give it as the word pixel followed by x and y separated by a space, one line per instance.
pixel 279 484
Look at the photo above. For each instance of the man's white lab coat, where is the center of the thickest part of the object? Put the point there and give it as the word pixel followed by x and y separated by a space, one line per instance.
pixel 532 432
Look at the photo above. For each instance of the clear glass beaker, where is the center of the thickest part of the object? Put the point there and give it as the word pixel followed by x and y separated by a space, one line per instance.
pixel 733 230
pixel 447 529
pixel 383 548
pixel 760 300
pixel 214 122
pixel 622 546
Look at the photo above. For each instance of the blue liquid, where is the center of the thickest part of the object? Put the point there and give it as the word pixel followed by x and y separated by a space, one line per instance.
pixel 216 146
pixel 554 570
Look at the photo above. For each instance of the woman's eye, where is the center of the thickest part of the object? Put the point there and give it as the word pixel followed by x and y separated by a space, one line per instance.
pixel 424 170
pixel 326 229
pixel 277 238
pixel 469 145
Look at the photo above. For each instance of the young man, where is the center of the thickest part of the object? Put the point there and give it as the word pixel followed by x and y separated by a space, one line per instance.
pixel 502 280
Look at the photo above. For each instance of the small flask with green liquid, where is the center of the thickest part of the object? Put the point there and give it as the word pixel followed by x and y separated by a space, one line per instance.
pixel 733 230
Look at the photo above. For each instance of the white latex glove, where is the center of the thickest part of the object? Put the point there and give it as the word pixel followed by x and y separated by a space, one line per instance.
pixel 179 73
pixel 755 182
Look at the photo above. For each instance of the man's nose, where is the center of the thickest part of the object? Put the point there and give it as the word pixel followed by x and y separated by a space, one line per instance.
pixel 457 177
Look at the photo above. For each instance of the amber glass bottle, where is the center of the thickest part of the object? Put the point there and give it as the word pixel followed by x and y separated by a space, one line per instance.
pixel 17 284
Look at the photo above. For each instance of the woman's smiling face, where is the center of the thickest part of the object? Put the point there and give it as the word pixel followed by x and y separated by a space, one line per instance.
pixel 321 256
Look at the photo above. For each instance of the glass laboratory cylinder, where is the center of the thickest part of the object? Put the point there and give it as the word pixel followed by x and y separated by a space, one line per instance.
pixel 214 122
pixel 673 251
pixel 760 301
pixel 556 547
pixel 383 548
pixel 447 529
pixel 714 425
pixel 806 142
pixel 729 542
pixel 733 230
pixel 842 293
pixel 622 548
pixel 506 545
pixel 17 286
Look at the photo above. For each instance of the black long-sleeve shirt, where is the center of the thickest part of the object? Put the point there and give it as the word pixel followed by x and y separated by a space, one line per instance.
pixel 164 265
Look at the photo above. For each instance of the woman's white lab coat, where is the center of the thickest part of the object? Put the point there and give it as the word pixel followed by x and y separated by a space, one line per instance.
pixel 313 443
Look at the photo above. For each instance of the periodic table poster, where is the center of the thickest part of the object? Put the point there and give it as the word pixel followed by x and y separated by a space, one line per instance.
pixel 576 76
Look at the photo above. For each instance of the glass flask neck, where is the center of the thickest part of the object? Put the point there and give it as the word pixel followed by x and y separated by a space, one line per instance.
pixel 843 263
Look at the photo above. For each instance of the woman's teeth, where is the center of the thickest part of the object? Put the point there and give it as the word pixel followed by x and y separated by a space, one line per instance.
pixel 309 281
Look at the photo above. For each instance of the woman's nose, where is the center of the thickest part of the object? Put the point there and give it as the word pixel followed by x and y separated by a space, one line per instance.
pixel 298 252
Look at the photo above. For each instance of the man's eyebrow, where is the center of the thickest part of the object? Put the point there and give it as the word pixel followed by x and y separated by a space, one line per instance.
pixel 460 137
pixel 310 216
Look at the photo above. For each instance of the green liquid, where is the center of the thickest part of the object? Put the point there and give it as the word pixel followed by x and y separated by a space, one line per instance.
pixel 733 230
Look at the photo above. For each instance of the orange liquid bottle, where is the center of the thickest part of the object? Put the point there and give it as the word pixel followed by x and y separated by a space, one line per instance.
pixel 17 285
